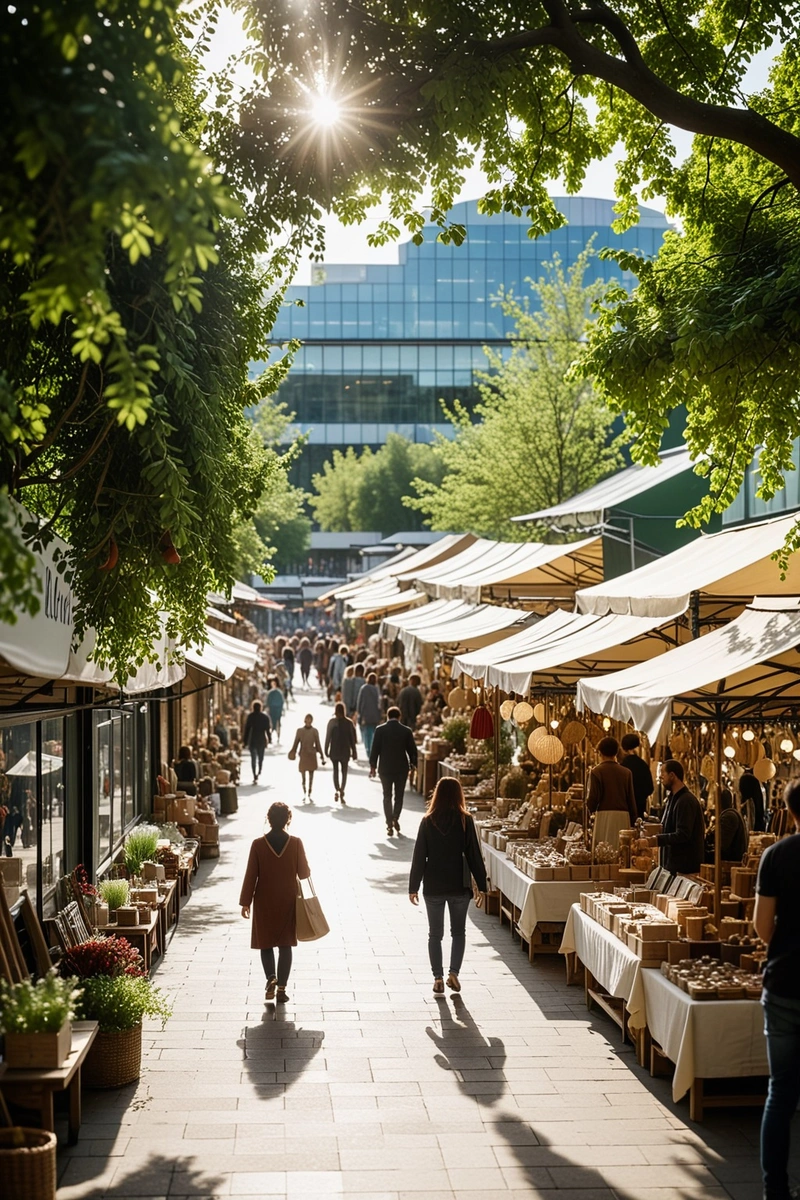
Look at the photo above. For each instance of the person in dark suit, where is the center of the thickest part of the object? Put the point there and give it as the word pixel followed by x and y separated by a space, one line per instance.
pixel 682 841
pixel 257 733
pixel 393 755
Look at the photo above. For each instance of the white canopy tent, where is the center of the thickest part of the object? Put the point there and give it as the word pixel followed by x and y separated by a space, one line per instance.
pixel 432 576
pixel 475 663
pixel 565 650
pixel 478 626
pixel 732 565
pixel 527 569
pixel 752 662
pixel 403 566
pixel 427 614
pixel 371 607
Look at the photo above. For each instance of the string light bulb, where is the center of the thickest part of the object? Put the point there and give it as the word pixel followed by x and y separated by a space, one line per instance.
pixel 704 729
pixel 787 745
pixel 554 724
pixel 729 752
pixel 606 723
pixel 748 736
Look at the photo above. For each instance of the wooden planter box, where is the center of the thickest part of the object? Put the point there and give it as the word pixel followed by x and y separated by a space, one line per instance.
pixel 47 1050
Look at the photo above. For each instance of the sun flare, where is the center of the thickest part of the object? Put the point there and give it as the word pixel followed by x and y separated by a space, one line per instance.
pixel 324 110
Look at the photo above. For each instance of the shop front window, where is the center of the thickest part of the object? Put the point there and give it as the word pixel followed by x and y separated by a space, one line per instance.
pixel 32 801
pixel 116 762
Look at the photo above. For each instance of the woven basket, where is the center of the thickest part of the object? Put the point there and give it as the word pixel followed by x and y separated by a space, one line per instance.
pixel 114 1059
pixel 28 1164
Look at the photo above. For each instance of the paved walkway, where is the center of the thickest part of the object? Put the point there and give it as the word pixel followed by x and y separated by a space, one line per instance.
pixel 364 1085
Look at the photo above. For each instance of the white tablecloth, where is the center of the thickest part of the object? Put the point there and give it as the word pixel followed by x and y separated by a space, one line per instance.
pixel 706 1039
pixel 613 965
pixel 537 901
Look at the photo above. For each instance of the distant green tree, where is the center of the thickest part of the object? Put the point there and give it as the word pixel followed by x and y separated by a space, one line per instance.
pixel 541 435
pixel 355 492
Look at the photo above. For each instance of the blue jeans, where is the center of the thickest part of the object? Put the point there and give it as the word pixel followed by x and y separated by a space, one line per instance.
pixel 459 907
pixel 782 1027
pixel 368 735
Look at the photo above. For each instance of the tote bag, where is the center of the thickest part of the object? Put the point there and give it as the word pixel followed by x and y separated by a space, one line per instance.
pixel 310 919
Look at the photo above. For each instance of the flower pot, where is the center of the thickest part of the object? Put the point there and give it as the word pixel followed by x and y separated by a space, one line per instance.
pixel 48 1050
pixel 28 1164
pixel 114 1059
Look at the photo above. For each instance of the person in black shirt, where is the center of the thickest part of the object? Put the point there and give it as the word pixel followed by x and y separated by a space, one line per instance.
pixel 682 841
pixel 186 771
pixel 752 796
pixel 393 755
pixel 642 779
pixel 410 702
pixel 257 733
pixel 446 848
pixel 777 922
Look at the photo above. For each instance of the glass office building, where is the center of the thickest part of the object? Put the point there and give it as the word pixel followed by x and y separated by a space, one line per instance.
pixel 384 344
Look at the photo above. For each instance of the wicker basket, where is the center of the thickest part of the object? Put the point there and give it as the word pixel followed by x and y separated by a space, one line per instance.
pixel 114 1059
pixel 28 1164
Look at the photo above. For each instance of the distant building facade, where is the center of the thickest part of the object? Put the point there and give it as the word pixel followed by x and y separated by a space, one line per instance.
pixel 384 343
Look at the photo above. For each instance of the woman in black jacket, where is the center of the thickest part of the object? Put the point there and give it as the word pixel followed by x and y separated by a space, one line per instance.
pixel 340 747
pixel 447 857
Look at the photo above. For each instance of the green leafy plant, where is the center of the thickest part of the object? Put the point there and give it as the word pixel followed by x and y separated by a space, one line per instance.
pixel 455 731
pixel 121 1002
pixel 40 1007
pixel 141 845
pixel 115 893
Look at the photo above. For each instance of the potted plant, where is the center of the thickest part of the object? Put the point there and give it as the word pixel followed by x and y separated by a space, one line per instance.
pixel 455 731
pixel 115 893
pixel 101 955
pixel 140 846
pixel 118 1003
pixel 27 1163
pixel 37 1020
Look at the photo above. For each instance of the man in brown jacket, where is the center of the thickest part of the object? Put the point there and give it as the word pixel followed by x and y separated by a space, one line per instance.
pixel 611 796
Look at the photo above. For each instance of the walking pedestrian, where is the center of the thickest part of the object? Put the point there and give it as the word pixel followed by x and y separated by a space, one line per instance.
pixel 777 922
pixel 321 655
pixel 305 657
pixel 393 755
pixel 611 796
pixel 351 687
pixel 288 662
pixel 336 670
pixel 257 736
pixel 410 702
pixel 306 743
pixel 447 857
pixel 275 705
pixel 369 709
pixel 277 860
pixel 340 747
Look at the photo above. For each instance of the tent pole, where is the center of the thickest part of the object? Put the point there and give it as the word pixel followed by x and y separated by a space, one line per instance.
pixel 496 715
pixel 717 829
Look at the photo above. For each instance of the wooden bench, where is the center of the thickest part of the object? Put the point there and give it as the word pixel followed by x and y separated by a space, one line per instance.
pixel 36 1088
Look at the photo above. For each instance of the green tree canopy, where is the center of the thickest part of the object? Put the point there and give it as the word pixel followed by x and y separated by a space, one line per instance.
pixel 367 491
pixel 137 246
pixel 541 435
pixel 536 92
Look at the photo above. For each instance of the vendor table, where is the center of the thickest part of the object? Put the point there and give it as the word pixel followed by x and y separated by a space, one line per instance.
pixel 146 938
pixel 31 1087
pixel 705 1039
pixel 169 907
pixel 610 964
pixel 530 902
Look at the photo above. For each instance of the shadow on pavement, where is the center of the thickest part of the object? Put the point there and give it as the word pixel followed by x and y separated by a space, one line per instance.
pixel 95 1178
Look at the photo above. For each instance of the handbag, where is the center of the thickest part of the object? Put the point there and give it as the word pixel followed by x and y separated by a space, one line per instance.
pixel 309 917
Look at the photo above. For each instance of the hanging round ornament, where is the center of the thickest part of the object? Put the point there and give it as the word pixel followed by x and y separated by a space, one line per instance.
pixel 538 712
pixel 481 726
pixel 764 770
pixel 522 712
pixel 541 731
pixel 549 749
pixel 457 698
pixel 507 710
pixel 573 732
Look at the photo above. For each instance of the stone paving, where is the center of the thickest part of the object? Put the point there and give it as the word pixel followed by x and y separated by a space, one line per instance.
pixel 364 1085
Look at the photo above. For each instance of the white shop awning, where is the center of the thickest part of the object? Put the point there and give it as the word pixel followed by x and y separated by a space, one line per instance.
pixel 369 607
pixel 405 564
pixel 426 614
pixel 167 670
pixel 436 580
pixel 475 663
pixel 755 659
pixel 527 568
pixel 223 655
pixel 477 627
pixel 736 563
pixel 572 648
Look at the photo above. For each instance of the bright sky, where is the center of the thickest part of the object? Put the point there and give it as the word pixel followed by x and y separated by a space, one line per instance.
pixel 348 244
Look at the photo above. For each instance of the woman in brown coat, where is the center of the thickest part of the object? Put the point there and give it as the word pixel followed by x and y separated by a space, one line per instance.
pixel 306 740
pixel 276 862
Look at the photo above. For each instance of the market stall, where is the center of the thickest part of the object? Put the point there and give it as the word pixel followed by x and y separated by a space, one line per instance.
pixel 518 570
pixel 613 972
pixel 532 903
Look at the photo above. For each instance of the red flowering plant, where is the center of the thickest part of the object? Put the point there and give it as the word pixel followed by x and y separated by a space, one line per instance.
pixel 101 955
pixel 85 887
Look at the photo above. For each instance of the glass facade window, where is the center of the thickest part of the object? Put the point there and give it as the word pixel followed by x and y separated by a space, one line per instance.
pixel 32 798
pixel 120 773
pixel 436 307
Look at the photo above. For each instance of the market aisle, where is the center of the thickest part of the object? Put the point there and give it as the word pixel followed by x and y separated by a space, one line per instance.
pixel 364 1085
